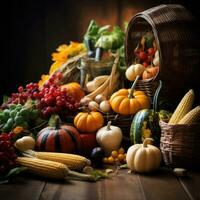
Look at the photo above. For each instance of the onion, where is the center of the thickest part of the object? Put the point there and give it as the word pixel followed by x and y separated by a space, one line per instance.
pixel 105 106
pixel 85 100
pixel 93 106
pixel 99 98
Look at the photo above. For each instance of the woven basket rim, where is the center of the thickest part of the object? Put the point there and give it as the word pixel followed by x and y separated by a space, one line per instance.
pixel 165 124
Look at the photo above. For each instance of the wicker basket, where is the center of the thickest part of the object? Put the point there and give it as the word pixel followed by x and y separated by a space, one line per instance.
pixel 176 34
pixel 180 145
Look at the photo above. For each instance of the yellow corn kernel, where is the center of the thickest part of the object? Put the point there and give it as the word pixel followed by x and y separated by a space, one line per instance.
pixel 73 161
pixel 191 117
pixel 183 107
pixel 44 168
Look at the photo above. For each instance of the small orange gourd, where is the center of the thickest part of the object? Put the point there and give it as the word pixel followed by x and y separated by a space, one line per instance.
pixel 150 72
pixel 88 121
pixel 75 90
pixel 129 101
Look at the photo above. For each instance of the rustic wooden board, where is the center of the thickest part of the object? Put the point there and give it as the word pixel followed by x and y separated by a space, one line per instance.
pixel 22 188
pixel 191 184
pixel 162 185
pixel 122 186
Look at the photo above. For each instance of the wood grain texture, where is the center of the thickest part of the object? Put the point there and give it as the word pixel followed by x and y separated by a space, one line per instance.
pixel 22 188
pixel 161 185
pixel 191 184
pixel 122 186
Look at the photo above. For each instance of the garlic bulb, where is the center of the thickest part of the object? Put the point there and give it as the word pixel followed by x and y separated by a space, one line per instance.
pixel 93 106
pixel 105 106
pixel 99 98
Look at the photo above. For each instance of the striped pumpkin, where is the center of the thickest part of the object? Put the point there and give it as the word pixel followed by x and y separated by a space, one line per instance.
pixel 145 124
pixel 64 138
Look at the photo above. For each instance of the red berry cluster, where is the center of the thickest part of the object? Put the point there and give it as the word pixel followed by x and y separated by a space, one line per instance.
pixel 55 100
pixel 30 91
pixel 50 98
pixel 7 154
pixel 145 57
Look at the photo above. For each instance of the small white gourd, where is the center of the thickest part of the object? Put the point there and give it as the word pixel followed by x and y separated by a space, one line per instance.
pixel 25 143
pixel 133 71
pixel 144 157
pixel 109 138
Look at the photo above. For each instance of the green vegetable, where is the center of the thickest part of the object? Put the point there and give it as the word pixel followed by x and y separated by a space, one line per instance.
pixel 13 113
pixel 111 40
pixel 24 112
pixel 34 114
pixel 24 124
pixel 6 128
pixel 19 119
pixel 2 117
pixel 12 106
pixel 94 32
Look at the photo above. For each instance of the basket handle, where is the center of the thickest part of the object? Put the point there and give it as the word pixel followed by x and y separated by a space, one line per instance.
pixel 156 96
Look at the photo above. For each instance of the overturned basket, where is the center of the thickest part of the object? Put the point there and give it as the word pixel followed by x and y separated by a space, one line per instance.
pixel 176 34
pixel 179 145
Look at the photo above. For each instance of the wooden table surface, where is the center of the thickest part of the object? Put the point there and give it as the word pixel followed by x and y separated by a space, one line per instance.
pixel 161 185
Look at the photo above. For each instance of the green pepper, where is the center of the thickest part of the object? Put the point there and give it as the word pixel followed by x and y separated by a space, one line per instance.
pixel 24 112
pixel 6 114
pixel 10 122
pixel 2 117
pixel 19 119
pixel 6 128
pixel 13 113
pixel 34 114
pixel 12 106
pixel 19 107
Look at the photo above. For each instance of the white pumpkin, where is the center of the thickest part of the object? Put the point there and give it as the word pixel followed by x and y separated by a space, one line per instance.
pixel 25 143
pixel 143 158
pixel 109 138
pixel 133 71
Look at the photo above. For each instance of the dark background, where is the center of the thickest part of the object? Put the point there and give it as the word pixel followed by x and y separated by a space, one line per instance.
pixel 32 30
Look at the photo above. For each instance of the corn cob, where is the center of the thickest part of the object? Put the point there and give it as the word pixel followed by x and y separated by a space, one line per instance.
pixel 183 107
pixel 73 161
pixel 51 169
pixel 191 117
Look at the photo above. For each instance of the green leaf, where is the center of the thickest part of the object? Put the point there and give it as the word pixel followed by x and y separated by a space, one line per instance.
pixel 13 172
pixel 98 174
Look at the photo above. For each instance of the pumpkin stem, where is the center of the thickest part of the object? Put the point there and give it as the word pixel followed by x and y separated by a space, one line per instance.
pixel 108 126
pixel 54 121
pixel 133 87
pixel 145 142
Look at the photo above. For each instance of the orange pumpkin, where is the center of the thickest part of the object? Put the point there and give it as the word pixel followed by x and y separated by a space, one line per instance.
pixel 74 89
pixel 150 72
pixel 129 101
pixel 88 121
